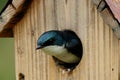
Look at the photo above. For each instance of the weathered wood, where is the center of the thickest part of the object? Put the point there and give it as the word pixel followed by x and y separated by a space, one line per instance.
pixel 96 2
pixel 101 48
pixel 108 16
pixel 108 19
pixel 114 5
pixel 115 8
pixel 11 16
pixel 101 6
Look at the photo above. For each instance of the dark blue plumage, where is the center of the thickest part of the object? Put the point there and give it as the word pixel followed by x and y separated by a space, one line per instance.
pixel 51 38
pixel 65 47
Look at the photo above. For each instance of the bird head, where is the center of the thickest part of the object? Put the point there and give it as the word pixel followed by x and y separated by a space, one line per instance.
pixel 50 38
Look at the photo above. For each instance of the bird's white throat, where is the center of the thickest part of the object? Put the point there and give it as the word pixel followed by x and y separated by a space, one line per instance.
pixel 61 53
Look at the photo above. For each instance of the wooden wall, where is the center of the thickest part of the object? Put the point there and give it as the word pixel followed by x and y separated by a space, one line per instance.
pixel 101 47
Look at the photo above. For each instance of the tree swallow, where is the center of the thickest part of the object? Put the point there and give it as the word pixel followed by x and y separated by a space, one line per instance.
pixel 64 46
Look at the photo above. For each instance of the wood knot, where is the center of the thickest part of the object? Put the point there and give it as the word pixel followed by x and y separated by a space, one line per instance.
pixel 20 50
pixel 112 69
pixel 21 76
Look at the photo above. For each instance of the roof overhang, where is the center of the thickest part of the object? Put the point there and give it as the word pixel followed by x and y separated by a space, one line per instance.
pixel 12 15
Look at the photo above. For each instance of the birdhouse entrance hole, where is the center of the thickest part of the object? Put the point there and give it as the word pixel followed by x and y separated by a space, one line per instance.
pixel 69 66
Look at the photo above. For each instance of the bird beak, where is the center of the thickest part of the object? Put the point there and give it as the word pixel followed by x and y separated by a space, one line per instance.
pixel 39 47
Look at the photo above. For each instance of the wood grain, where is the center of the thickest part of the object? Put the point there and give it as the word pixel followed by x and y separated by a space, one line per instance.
pixel 101 48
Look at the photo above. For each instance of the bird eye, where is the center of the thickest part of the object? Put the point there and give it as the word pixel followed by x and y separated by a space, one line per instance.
pixel 51 40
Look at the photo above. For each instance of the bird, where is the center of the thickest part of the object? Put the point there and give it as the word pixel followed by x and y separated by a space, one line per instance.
pixel 64 46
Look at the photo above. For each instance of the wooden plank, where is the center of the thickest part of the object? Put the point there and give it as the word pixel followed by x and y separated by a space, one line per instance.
pixel 100 59
pixel 115 8
pixel 108 16
pixel 109 19
pixel 12 15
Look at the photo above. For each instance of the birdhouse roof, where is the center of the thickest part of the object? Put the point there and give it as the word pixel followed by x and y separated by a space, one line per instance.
pixel 115 8
pixel 11 12
pixel 110 12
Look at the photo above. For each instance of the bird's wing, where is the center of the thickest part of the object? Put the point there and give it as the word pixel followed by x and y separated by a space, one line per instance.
pixel 74 46
pixel 72 42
